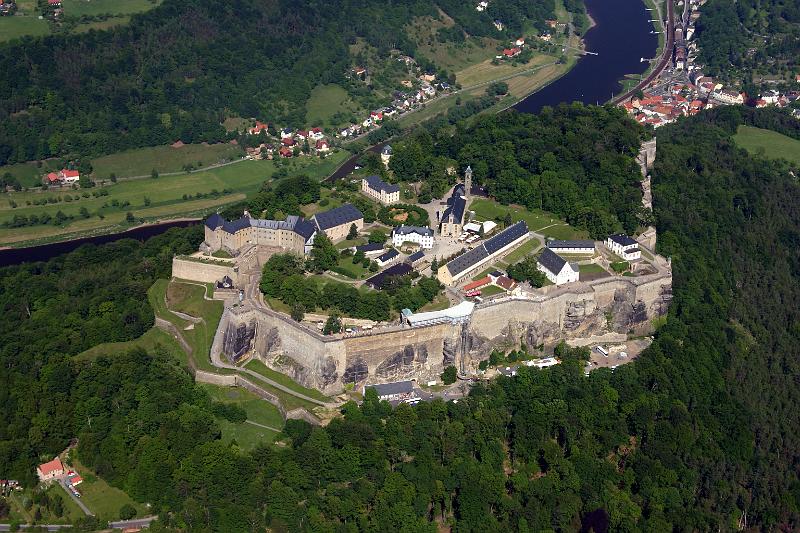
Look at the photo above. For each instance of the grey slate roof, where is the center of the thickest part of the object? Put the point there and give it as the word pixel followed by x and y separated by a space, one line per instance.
pixel 369 247
pixel 345 214
pixel 580 243
pixel 456 205
pixel 377 184
pixel 399 269
pixel 388 389
pixel 464 262
pixel 506 237
pixel 405 230
pixel 551 261
pixel 215 221
pixel 416 256
pixel 391 254
pixel 622 239
pixel 292 223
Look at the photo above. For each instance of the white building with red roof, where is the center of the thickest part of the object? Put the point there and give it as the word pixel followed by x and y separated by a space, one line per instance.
pixel 50 470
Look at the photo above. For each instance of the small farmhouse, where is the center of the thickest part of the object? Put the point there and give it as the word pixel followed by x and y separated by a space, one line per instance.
pixel 556 268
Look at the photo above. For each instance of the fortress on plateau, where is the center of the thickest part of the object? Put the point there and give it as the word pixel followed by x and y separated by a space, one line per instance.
pixel 416 345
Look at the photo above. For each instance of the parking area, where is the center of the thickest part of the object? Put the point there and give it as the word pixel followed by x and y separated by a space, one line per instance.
pixel 617 354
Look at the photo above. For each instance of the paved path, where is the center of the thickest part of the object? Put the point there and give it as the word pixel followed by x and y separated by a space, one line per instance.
pixel 86 511
pixel 135 523
pixel 262 426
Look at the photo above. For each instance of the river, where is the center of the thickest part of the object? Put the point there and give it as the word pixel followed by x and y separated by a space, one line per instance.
pixel 621 36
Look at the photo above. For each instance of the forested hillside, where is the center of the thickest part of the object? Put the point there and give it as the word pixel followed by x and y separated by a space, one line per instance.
pixel 174 72
pixel 750 37
pixel 573 160
pixel 702 428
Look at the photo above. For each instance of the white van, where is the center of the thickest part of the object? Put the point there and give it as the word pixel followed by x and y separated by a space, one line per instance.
pixel 602 351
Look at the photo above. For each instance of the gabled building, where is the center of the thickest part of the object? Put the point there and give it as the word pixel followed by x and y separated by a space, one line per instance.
pixel 50 470
pixel 451 221
pixel 489 250
pixel 580 246
pixel 423 236
pixel 258 128
pixel 556 268
pixel 380 191
pixel 295 234
pixel 387 258
pixel 336 222
pixel 624 246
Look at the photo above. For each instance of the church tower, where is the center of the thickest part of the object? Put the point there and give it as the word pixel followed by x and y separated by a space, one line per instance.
pixel 467 182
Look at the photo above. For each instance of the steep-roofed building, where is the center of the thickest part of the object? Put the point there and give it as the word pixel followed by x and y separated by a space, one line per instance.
pixel 624 246
pixel 416 234
pixel 465 264
pixel 451 222
pixel 294 234
pixel 580 246
pixel 377 189
pixel 556 268
pixel 336 222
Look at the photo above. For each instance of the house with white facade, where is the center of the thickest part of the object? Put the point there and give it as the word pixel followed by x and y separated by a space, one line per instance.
pixel 624 246
pixel 580 246
pixel 379 190
pixel 416 234
pixel 556 268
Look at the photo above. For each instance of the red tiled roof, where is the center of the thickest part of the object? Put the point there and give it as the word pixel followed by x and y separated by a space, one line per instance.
pixel 70 173
pixel 52 177
pixel 505 282
pixel 288 141
pixel 477 284
pixel 51 467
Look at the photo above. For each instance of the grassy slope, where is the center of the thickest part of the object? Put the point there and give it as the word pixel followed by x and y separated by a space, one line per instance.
pixel 165 194
pixel 325 101
pixel 152 339
pixel 77 8
pixel 141 161
pixel 537 220
pixel 258 411
pixel 285 380
pixel 773 145
pixel 20 25
pixel 103 499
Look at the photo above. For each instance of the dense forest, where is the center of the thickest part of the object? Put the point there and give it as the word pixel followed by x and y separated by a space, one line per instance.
pixel 573 160
pixel 175 71
pixel 746 37
pixel 701 431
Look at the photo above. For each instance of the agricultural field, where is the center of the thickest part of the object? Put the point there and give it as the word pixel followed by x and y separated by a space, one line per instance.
pixel 20 25
pixel 770 144
pixel 147 198
pixel 163 159
pixel 79 8
pixel 259 413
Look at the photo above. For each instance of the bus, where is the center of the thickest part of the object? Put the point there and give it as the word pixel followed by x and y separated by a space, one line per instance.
pixel 602 351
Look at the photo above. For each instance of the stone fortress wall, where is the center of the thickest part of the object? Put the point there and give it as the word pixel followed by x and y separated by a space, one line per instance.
pixel 203 272
pixel 578 310
pixel 327 363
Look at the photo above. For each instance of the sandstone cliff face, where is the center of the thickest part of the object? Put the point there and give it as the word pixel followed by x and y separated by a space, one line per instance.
pixel 396 353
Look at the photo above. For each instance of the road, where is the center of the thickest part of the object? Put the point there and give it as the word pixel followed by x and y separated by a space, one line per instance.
pixel 122 524
pixel 666 56
pixel 65 486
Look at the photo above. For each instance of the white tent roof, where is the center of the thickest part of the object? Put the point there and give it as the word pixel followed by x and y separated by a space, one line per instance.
pixel 456 313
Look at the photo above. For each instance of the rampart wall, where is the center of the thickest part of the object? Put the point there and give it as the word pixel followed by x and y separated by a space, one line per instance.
pixel 579 310
pixel 202 272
